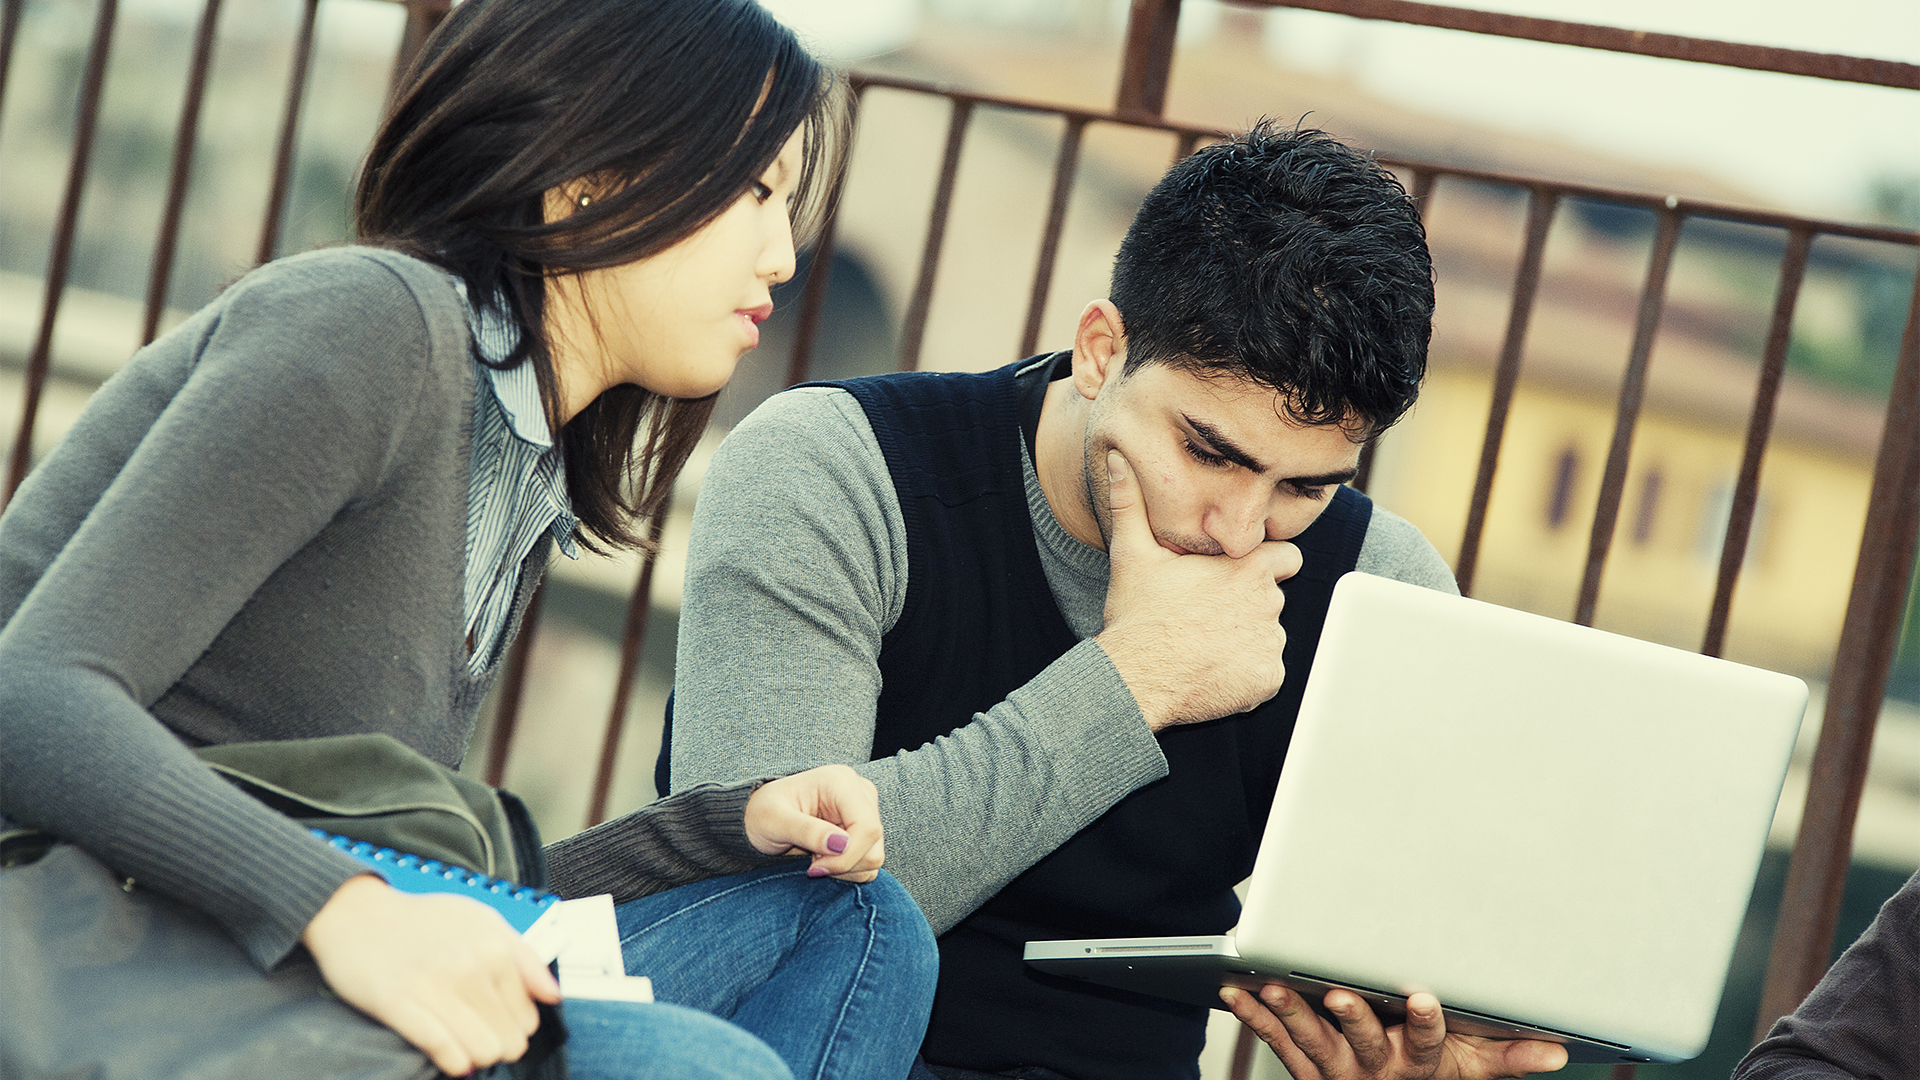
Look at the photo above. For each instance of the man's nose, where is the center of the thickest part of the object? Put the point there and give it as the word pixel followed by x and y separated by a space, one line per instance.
pixel 1238 525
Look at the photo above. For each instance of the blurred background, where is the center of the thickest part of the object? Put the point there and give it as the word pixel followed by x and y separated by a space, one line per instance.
pixel 1751 139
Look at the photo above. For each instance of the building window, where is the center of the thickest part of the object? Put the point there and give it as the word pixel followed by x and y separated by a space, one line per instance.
pixel 1649 506
pixel 1560 498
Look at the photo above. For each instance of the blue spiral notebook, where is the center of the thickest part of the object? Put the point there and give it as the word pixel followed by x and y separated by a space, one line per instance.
pixel 521 905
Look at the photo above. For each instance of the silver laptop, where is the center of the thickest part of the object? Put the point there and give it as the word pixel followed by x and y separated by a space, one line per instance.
pixel 1551 828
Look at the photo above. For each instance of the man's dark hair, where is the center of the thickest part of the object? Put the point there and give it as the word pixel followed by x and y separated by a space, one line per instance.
pixel 1288 259
pixel 665 111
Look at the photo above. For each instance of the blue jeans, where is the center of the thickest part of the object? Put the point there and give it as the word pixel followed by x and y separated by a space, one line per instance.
pixel 834 979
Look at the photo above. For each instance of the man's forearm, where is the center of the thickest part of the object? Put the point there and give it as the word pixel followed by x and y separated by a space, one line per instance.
pixel 792 583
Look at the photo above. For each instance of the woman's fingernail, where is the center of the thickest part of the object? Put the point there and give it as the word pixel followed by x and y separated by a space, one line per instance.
pixel 837 843
pixel 816 871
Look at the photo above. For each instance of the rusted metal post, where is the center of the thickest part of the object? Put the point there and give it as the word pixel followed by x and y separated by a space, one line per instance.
pixel 513 687
pixel 1633 389
pixel 9 33
pixel 1817 872
pixel 87 115
pixel 289 136
pixel 633 637
pixel 1541 203
pixel 1422 193
pixel 1244 1045
pixel 813 295
pixel 1615 39
pixel 1147 63
pixel 914 332
pixel 1766 395
pixel 423 18
pixel 1185 146
pixel 1064 168
pixel 181 170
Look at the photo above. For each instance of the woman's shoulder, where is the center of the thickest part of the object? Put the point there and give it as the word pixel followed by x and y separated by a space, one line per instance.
pixel 370 279
pixel 341 302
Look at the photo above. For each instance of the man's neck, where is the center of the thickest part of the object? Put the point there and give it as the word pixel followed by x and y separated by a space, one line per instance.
pixel 1059 459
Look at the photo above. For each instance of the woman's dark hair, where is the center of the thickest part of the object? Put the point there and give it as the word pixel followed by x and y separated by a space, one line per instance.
pixel 1285 258
pixel 664 110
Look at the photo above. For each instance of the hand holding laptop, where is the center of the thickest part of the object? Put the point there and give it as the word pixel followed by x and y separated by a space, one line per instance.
pixel 1359 1047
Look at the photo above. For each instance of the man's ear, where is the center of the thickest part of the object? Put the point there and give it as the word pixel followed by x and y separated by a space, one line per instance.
pixel 1099 348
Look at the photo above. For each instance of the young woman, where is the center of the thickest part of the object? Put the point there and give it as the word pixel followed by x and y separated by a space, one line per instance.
pixel 320 507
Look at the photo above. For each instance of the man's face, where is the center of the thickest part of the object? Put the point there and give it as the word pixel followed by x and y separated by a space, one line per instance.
pixel 1221 466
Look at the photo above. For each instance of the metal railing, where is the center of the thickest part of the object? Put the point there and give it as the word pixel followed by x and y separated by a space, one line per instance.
pixel 1892 523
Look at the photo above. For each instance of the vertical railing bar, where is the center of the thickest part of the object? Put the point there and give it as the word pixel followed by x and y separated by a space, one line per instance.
pixel 1245 1043
pixel 87 115
pixel 513 687
pixel 1766 396
pixel 915 329
pixel 1422 191
pixel 813 295
pixel 1064 168
pixel 184 139
pixel 1541 204
pixel 9 33
pixel 1817 871
pixel 1633 388
pixel 423 18
pixel 632 637
pixel 1146 61
pixel 1189 141
pixel 1363 472
pixel 289 134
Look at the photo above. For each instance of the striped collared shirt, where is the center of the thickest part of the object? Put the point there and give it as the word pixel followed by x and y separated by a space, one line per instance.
pixel 518 487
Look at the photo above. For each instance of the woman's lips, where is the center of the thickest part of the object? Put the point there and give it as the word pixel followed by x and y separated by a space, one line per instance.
pixel 751 318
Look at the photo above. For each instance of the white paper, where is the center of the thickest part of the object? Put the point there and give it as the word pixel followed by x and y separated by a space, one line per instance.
pixel 584 937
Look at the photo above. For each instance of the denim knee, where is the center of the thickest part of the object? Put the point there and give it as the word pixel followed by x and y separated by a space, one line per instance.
pixel 619 1040
pixel 902 919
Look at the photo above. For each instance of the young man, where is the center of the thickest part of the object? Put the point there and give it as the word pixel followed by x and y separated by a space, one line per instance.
pixel 1018 600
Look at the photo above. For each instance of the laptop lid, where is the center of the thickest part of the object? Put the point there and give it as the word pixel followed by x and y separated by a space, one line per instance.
pixel 1530 819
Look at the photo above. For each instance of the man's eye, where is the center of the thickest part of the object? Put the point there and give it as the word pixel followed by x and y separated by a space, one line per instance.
pixel 1309 491
pixel 1206 457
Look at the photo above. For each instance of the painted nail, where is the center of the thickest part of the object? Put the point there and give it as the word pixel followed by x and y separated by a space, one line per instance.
pixel 837 843
pixel 816 871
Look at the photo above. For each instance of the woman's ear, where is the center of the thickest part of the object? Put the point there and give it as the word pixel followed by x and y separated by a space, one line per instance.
pixel 1099 348
pixel 565 200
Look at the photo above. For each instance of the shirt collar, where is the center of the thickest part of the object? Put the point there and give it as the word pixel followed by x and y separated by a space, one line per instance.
pixel 517 390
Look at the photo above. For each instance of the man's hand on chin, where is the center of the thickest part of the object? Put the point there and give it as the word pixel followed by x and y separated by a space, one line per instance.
pixel 1360 1048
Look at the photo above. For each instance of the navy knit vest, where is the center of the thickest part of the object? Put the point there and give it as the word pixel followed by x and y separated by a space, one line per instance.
pixel 979 621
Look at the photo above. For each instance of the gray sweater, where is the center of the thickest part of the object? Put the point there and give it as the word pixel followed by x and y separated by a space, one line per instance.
pixel 796 570
pixel 256 531
pixel 1863 1020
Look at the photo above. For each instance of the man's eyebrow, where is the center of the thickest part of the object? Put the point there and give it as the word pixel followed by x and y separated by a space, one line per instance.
pixel 1222 445
pixel 1324 479
pixel 1230 450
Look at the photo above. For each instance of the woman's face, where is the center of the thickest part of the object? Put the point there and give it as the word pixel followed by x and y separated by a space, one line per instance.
pixel 677 322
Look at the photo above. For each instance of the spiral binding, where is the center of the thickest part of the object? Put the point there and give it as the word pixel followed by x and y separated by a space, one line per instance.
pixel 503 895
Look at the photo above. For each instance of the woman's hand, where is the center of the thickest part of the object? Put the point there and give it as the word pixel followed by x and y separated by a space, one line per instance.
pixel 446 973
pixel 830 811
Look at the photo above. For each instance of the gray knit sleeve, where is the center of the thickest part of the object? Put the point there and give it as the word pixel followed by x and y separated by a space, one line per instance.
pixel 685 837
pixel 1395 549
pixel 191 477
pixel 797 568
